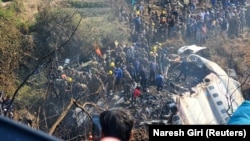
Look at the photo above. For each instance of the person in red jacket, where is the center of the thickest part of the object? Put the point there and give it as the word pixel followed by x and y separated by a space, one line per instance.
pixel 136 93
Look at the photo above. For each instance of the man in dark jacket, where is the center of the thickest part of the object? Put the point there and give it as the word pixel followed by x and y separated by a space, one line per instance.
pixel 159 81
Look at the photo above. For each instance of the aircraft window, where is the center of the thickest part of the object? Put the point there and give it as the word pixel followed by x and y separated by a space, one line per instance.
pixel 215 95
pixel 223 111
pixel 219 102
pixel 211 87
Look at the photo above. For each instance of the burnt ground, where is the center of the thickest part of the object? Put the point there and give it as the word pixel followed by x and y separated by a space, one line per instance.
pixel 154 107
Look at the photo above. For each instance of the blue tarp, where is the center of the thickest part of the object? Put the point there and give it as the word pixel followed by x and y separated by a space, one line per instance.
pixel 241 115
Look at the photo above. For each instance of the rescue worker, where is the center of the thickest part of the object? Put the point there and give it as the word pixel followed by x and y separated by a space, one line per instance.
pixel 127 83
pixel 184 69
pixel 118 73
pixel 110 80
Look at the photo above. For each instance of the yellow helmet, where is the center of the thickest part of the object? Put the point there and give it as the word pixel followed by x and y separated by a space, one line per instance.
pixel 155 48
pixel 69 79
pixel 110 72
pixel 138 13
pixel 112 64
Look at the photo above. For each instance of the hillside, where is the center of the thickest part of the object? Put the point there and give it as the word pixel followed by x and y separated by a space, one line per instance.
pixel 55 31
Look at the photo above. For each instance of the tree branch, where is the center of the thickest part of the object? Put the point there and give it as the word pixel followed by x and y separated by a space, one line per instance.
pixel 61 117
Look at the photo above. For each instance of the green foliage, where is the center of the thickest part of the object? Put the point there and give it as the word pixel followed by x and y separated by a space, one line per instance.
pixel 93 4
pixel 23 26
pixel 54 28
pixel 30 94
pixel 100 28
pixel 6 14
pixel 10 14
pixel 10 48
pixel 16 6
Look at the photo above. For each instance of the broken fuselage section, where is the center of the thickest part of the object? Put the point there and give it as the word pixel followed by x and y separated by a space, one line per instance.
pixel 213 99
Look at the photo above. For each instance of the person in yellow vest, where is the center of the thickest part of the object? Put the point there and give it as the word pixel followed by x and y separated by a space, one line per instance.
pixel 69 83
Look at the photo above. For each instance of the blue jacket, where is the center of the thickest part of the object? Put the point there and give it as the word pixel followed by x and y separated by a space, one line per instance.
pixel 159 80
pixel 242 114
pixel 118 73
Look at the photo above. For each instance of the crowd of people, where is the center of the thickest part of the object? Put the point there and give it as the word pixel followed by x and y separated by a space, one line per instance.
pixel 146 59
pixel 145 62
pixel 192 20
pixel 132 68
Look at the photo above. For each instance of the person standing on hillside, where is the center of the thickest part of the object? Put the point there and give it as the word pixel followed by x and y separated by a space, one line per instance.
pixel 184 69
pixel 137 23
pixel 118 73
pixel 165 65
pixel 127 83
pixel 152 70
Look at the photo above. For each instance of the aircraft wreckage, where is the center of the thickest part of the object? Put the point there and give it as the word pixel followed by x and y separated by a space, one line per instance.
pixel 208 95
pixel 214 97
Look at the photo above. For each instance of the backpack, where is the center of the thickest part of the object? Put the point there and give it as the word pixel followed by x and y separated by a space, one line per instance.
pixel 118 73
